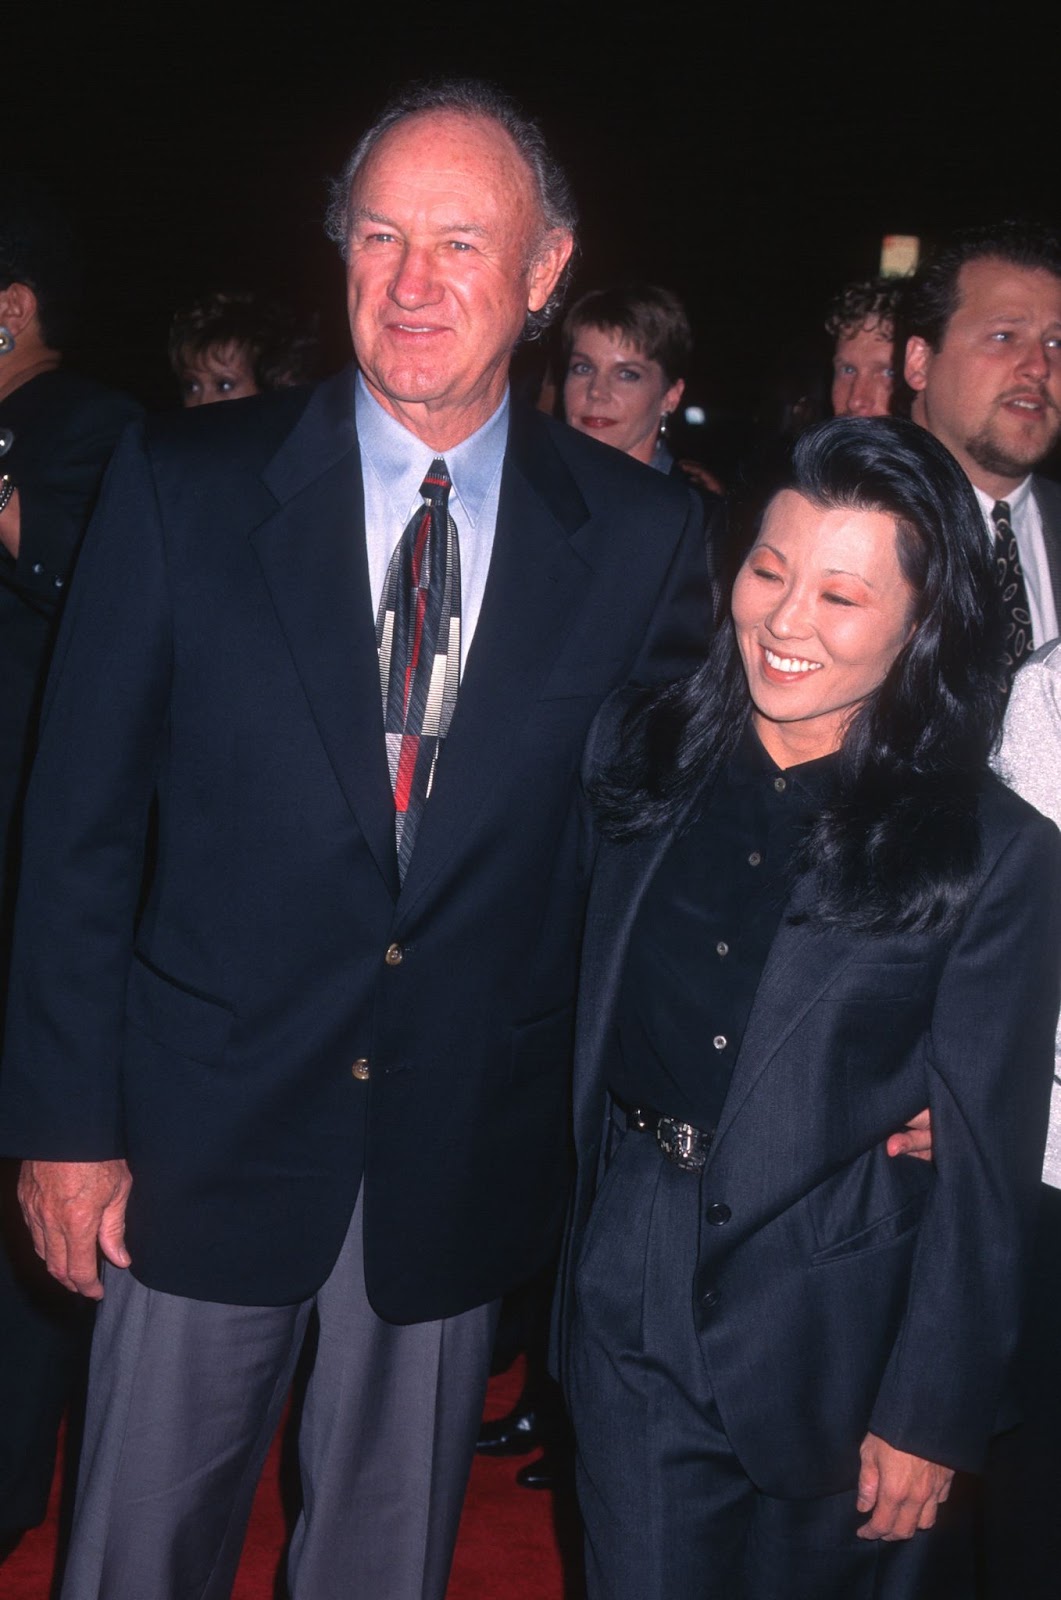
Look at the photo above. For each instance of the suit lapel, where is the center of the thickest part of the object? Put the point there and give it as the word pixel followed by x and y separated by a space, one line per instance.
pixel 533 591
pixel 313 557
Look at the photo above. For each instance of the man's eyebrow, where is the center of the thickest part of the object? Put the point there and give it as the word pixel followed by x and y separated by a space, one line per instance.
pixel 366 214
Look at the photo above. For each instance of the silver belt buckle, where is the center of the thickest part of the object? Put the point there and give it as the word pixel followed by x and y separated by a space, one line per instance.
pixel 683 1144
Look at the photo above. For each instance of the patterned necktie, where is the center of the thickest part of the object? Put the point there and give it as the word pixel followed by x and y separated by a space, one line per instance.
pixel 418 632
pixel 1018 617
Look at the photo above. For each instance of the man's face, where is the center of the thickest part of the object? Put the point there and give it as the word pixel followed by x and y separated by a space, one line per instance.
pixel 992 391
pixel 446 256
pixel 864 371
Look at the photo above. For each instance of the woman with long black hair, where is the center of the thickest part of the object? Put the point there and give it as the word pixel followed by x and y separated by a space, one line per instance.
pixel 814 912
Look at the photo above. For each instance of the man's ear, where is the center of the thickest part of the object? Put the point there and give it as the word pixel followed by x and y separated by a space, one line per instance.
pixel 918 359
pixel 549 262
pixel 18 307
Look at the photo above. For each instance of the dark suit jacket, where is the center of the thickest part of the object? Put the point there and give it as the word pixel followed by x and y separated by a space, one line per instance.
pixel 219 650
pixel 856 1292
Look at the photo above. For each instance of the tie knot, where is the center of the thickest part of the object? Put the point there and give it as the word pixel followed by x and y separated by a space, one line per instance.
pixel 1000 513
pixel 437 483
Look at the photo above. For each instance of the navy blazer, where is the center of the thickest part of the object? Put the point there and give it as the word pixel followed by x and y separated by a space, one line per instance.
pixel 847 1291
pixel 219 656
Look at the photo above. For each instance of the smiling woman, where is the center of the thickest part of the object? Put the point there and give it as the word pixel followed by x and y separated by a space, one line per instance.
pixel 813 911
pixel 626 352
pixel 821 609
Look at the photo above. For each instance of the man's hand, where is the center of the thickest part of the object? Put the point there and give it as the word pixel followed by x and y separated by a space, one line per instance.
pixel 903 1492
pixel 915 1139
pixel 71 1207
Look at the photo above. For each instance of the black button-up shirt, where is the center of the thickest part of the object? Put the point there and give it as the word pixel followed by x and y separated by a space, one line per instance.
pixel 703 933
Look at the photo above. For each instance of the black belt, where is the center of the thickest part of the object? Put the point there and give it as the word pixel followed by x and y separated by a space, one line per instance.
pixel 680 1142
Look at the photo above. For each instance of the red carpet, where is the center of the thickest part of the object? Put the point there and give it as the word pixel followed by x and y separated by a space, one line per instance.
pixel 508 1547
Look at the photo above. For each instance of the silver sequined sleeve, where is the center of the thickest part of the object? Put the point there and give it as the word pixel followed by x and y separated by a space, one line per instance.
pixel 1029 760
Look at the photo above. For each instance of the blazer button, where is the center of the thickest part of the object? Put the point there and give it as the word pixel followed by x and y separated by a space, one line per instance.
pixel 718 1214
pixel 710 1297
pixel 394 955
pixel 360 1069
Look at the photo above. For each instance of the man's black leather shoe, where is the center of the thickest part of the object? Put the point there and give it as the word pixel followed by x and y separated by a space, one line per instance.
pixel 554 1468
pixel 517 1433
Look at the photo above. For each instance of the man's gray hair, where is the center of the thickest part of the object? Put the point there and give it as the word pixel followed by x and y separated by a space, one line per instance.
pixel 470 97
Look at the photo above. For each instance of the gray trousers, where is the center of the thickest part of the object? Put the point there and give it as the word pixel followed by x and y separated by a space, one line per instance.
pixel 185 1397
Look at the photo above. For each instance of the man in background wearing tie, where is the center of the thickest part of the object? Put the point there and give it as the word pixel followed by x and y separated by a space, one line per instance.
pixel 328 1067
pixel 984 362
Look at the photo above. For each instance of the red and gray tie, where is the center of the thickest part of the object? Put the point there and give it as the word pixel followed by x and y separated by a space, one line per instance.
pixel 418 629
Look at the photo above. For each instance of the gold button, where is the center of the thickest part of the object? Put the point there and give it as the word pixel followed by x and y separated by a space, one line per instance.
pixel 360 1069
pixel 394 955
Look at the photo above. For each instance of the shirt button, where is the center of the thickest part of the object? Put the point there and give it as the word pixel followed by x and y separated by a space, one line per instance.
pixel 719 1041
pixel 722 948
pixel 718 1214
pixel 360 1069
pixel 780 785
pixel 37 569
pixel 754 859
pixel 57 583
pixel 394 955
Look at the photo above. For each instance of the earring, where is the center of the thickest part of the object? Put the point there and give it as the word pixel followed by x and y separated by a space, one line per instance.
pixel 7 340
pixel 664 418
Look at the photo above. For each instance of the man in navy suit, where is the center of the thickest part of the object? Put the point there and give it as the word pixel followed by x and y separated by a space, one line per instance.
pixel 320 1072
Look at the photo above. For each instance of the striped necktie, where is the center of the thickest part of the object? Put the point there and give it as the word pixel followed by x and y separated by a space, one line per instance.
pixel 418 636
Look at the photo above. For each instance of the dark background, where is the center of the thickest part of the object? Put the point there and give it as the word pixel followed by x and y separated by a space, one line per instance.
pixel 751 159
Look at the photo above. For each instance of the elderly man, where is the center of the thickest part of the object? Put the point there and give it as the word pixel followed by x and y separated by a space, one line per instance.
pixel 350 640
pixel 984 361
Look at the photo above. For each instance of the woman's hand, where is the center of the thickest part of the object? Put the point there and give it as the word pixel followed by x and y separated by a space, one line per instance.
pixel 915 1139
pixel 903 1492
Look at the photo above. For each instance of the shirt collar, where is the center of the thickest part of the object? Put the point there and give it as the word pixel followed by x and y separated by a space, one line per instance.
pixel 752 765
pixel 1016 501
pixel 400 460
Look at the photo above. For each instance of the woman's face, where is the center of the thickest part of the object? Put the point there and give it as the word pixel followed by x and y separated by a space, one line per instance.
pixel 616 394
pixel 222 372
pixel 821 610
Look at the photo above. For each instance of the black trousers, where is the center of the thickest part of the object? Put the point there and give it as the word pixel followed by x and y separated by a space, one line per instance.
pixel 669 1512
pixel 44 1342
pixel 1021 1521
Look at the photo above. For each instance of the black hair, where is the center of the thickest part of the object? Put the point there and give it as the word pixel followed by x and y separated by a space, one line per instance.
pixel 39 247
pixel 477 98
pixel 650 318
pixel 281 354
pixel 933 298
pixel 898 845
